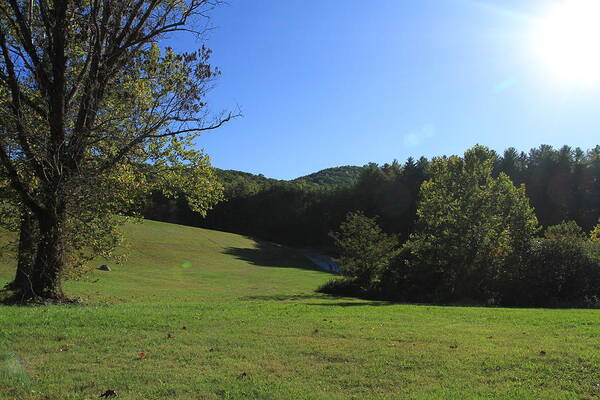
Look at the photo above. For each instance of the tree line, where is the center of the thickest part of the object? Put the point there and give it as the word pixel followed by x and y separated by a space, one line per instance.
pixel 476 240
pixel 561 184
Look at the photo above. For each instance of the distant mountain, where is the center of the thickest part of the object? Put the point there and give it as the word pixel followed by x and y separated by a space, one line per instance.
pixel 228 176
pixel 239 183
pixel 345 175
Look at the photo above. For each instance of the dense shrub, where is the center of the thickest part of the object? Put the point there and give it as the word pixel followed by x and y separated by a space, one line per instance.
pixel 595 234
pixel 560 273
pixel 344 286
pixel 365 253
pixel 364 249
pixel 567 230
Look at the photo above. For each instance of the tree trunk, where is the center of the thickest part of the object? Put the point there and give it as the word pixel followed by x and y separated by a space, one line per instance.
pixel 50 260
pixel 44 278
pixel 26 250
pixel 26 253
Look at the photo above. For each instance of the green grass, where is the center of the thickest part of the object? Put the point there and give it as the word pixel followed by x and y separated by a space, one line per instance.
pixel 255 329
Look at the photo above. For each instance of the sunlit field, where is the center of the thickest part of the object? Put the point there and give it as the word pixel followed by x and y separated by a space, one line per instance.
pixel 197 314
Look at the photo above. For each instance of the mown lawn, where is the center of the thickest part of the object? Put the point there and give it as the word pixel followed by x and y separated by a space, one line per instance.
pixel 245 323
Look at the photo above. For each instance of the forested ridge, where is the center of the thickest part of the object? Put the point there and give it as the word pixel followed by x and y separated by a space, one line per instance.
pixel 561 184
pixel 346 175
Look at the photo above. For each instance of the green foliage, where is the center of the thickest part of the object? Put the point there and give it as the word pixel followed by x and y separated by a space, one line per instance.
pixel 568 230
pixel 337 176
pixel 473 230
pixel 302 214
pixel 89 106
pixel 562 184
pixel 365 251
pixel 475 242
pixel 595 234
pixel 560 272
pixel 240 184
pixel 347 286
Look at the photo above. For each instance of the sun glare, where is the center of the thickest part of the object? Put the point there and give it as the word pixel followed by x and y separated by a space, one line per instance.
pixel 567 42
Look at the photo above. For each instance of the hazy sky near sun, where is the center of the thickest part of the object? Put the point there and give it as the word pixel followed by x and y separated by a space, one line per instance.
pixel 347 82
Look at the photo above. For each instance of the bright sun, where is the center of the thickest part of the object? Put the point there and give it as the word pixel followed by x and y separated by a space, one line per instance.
pixel 567 41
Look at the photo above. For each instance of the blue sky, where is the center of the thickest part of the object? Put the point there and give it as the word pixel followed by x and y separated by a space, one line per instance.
pixel 347 82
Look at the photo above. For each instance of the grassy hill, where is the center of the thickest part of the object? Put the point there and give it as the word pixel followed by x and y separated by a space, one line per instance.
pixel 245 323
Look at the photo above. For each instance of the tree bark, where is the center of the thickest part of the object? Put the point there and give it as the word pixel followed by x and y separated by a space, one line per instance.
pixel 49 261
pixel 41 271
pixel 26 253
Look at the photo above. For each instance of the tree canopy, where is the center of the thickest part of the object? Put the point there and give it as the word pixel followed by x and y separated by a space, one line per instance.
pixel 472 228
pixel 90 102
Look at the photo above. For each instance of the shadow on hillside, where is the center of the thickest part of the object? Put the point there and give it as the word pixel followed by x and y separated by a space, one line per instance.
pixel 350 304
pixel 335 301
pixel 271 255
pixel 283 297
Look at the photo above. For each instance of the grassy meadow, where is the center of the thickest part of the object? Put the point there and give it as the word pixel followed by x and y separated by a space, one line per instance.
pixel 198 314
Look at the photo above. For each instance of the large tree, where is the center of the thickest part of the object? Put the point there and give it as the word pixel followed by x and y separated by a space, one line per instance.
pixel 89 103
pixel 473 230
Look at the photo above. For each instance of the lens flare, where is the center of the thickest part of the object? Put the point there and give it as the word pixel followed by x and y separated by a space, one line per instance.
pixel 566 40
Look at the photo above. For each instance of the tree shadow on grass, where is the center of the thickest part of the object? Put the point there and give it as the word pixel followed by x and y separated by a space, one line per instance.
pixel 290 297
pixel 377 303
pixel 335 300
pixel 271 255
pixel 354 304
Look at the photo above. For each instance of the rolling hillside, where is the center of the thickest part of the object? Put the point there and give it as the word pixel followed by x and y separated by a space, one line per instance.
pixel 198 314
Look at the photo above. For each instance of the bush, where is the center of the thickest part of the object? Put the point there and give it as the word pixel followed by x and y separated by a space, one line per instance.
pixel 593 250
pixel 560 273
pixel 568 230
pixel 595 234
pixel 365 251
pixel 344 286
